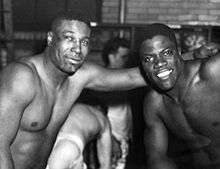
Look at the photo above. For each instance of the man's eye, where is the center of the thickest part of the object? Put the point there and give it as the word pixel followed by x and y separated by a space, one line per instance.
pixel 168 53
pixel 148 59
pixel 69 38
pixel 85 43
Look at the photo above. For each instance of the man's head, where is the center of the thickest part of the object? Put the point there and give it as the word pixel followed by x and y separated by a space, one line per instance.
pixel 116 53
pixel 68 41
pixel 160 59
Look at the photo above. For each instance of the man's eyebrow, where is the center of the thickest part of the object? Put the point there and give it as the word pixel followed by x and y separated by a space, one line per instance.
pixel 72 32
pixel 166 49
pixel 151 54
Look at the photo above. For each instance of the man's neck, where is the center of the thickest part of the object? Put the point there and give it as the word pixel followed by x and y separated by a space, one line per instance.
pixel 54 76
pixel 176 93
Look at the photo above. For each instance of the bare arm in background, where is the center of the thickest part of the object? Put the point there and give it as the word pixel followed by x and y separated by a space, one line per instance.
pixel 104 146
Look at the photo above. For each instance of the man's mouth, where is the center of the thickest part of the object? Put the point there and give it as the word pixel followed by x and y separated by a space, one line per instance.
pixel 164 74
pixel 75 60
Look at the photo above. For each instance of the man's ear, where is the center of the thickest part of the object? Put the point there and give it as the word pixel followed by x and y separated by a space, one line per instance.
pixel 49 38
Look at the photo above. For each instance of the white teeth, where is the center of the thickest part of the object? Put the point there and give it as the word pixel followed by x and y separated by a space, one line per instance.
pixel 164 73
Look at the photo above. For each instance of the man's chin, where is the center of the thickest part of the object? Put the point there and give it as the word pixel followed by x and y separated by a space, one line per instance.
pixel 72 69
pixel 163 87
pixel 75 68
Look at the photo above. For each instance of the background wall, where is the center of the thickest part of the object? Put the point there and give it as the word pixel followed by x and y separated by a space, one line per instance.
pixel 31 15
pixel 172 12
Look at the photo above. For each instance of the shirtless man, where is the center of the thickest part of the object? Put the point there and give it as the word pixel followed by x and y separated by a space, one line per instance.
pixel 184 99
pixel 73 137
pixel 38 92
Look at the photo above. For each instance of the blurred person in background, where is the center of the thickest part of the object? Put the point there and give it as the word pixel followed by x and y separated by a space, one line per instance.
pixel 116 55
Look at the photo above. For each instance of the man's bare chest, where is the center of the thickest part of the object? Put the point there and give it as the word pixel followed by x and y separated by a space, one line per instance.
pixel 48 109
pixel 197 113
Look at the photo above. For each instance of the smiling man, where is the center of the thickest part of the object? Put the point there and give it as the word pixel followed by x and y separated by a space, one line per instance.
pixel 38 92
pixel 184 100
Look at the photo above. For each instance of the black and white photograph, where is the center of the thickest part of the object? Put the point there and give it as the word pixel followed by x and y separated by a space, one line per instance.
pixel 109 84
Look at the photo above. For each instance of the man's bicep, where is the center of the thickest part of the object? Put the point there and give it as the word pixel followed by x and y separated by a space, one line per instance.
pixel 155 137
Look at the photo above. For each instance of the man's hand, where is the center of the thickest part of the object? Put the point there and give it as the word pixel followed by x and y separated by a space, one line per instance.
pixel 207 50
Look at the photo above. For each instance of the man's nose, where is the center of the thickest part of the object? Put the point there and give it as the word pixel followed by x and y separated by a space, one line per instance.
pixel 76 47
pixel 160 62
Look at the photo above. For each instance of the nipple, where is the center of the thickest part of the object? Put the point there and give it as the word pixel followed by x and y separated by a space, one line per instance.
pixel 34 124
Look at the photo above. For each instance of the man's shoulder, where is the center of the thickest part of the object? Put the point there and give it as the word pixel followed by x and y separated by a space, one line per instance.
pixel 153 101
pixel 154 107
pixel 18 66
pixel 153 97
pixel 18 72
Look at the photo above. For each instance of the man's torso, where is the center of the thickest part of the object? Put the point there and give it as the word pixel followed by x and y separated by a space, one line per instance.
pixel 40 122
pixel 195 118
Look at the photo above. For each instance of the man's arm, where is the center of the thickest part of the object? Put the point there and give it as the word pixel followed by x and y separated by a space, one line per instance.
pixel 155 136
pixel 104 146
pixel 14 83
pixel 100 78
pixel 210 69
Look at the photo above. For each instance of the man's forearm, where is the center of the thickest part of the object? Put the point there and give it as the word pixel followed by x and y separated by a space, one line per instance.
pixel 124 79
pixel 104 150
pixel 105 160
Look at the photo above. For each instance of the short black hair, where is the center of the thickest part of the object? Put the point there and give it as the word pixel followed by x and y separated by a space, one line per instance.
pixel 112 46
pixel 77 15
pixel 158 29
